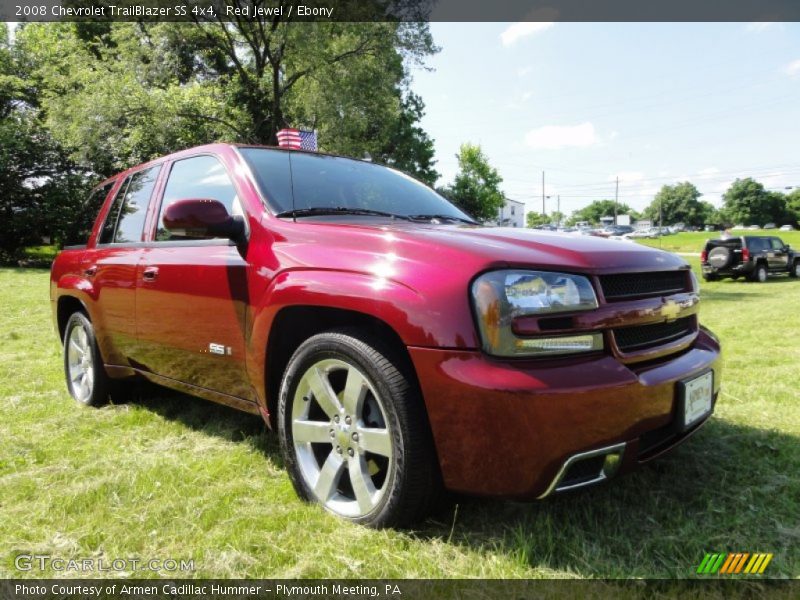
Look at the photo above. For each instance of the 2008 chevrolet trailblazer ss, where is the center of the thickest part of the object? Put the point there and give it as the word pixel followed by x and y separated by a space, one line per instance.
pixel 399 348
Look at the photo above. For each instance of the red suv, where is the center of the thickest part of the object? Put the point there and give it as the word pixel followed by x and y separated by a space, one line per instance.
pixel 399 347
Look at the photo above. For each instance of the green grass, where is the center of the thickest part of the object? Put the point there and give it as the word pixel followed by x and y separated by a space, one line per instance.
pixel 694 241
pixel 169 476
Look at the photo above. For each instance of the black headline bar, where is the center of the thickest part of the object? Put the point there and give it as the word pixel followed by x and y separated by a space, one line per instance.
pixel 403 10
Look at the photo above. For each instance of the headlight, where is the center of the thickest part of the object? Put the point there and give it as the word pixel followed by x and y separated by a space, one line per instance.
pixel 502 296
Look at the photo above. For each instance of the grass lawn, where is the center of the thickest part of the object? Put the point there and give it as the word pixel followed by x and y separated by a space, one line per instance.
pixel 694 241
pixel 169 476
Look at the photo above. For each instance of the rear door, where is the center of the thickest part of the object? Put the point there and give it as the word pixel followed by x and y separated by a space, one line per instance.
pixel 192 295
pixel 778 255
pixel 112 266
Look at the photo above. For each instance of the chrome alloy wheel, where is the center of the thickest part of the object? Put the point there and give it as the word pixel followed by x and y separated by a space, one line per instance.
pixel 80 366
pixel 341 438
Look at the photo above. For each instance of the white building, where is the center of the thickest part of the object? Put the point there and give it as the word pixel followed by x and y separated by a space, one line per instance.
pixel 511 214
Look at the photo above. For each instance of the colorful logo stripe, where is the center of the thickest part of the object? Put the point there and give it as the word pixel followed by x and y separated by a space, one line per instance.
pixel 734 563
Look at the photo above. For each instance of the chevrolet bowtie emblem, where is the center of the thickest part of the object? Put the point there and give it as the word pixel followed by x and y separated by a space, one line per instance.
pixel 670 310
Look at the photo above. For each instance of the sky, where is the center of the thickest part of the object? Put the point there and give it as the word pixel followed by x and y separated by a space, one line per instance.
pixel 652 104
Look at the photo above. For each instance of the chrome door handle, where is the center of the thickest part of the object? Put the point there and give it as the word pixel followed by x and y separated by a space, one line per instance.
pixel 150 273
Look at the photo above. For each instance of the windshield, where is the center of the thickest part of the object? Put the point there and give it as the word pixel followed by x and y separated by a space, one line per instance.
pixel 330 182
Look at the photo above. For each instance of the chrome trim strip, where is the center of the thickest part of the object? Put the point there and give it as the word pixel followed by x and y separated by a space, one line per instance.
pixel 618 449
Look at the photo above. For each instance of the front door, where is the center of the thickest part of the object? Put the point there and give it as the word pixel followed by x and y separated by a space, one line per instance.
pixel 778 256
pixel 192 295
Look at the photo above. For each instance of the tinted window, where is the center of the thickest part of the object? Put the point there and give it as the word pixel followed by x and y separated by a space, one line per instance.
pixel 273 174
pixel 320 181
pixel 107 234
pixel 777 244
pixel 758 244
pixel 81 229
pixel 130 222
pixel 198 177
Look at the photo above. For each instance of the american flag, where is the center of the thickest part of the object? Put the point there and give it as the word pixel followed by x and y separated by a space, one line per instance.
pixel 297 139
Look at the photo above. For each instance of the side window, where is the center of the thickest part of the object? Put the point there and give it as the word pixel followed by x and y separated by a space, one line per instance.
pixel 198 177
pixel 107 234
pixel 81 229
pixel 777 244
pixel 130 223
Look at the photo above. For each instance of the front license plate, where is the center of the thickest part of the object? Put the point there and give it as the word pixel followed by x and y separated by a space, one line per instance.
pixel 697 396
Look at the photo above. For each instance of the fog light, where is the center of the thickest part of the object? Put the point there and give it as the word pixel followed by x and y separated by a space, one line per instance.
pixel 565 344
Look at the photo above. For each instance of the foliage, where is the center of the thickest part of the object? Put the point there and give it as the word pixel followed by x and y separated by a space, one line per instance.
pixel 122 93
pixel 679 203
pixel 599 208
pixel 747 202
pixel 535 219
pixel 793 206
pixel 476 187
pixel 41 187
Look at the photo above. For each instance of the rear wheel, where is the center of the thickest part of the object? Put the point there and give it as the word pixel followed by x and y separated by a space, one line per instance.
pixel 353 431
pixel 710 277
pixel 760 273
pixel 87 381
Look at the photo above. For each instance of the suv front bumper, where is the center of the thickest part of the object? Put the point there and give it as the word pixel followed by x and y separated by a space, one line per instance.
pixel 517 429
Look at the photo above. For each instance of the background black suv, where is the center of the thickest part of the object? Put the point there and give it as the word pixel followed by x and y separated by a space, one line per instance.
pixel 748 256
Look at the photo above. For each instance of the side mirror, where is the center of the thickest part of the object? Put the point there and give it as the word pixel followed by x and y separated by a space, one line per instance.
pixel 202 218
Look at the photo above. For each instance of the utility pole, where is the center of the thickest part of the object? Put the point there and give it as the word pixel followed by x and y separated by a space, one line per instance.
pixel 558 203
pixel 616 201
pixel 544 212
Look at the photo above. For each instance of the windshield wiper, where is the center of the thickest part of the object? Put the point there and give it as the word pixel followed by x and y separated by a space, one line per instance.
pixel 338 210
pixel 442 218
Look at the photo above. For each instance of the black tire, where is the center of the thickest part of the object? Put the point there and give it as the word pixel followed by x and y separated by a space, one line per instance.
pixel 760 273
pixel 91 386
pixel 710 277
pixel 794 270
pixel 410 482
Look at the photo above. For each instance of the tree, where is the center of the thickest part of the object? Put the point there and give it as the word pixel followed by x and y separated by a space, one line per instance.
pixel 679 203
pixel 409 148
pixel 535 219
pixel 747 202
pixel 122 93
pixel 476 187
pixel 557 217
pixel 597 209
pixel 793 206
pixel 41 188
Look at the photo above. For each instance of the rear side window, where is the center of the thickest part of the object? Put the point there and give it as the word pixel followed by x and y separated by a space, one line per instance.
pixel 110 225
pixel 197 177
pixel 758 244
pixel 130 223
pixel 81 229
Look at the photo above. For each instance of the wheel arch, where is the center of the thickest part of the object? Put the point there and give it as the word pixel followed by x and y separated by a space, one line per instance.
pixel 66 306
pixel 292 325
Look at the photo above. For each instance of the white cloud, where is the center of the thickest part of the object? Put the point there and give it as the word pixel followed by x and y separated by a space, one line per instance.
pixel 761 26
pixel 708 173
pixel 558 136
pixel 523 71
pixel 627 176
pixel 793 68
pixel 517 31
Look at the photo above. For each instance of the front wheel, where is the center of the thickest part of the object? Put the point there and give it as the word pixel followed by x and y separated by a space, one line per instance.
pixel 353 431
pixel 794 271
pixel 87 381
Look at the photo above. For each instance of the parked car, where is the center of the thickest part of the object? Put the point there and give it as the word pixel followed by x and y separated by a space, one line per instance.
pixel 748 256
pixel 617 230
pixel 397 347
pixel 787 228
pixel 753 228
pixel 769 226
